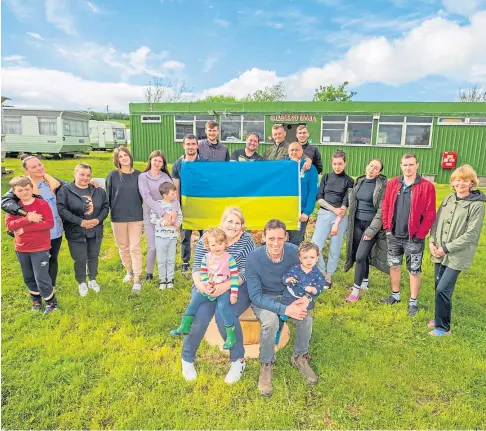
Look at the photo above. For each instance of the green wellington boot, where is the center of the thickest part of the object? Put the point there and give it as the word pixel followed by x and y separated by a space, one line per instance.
pixel 230 337
pixel 184 328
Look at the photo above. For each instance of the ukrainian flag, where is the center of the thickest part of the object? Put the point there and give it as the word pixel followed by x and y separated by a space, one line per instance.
pixel 262 190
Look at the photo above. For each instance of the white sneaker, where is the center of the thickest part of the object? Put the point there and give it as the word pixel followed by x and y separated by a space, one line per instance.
pixel 235 372
pixel 128 278
pixel 188 371
pixel 137 287
pixel 170 285
pixel 162 285
pixel 83 289
pixel 364 286
pixel 94 285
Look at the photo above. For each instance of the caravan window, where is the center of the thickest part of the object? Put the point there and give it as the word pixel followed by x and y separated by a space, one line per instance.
pixel 12 125
pixel 48 126
pixel 67 127
pixel 120 133
pixel 85 128
pixel 75 128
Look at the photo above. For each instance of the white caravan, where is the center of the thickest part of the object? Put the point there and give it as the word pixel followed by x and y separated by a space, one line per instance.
pixel 107 135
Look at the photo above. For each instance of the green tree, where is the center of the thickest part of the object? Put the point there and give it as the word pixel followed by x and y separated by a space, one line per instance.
pixel 219 98
pixel 473 94
pixel 330 93
pixel 271 93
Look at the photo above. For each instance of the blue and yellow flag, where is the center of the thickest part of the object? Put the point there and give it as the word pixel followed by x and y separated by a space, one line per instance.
pixel 262 190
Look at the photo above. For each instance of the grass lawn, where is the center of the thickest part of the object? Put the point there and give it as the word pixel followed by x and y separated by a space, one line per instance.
pixel 107 361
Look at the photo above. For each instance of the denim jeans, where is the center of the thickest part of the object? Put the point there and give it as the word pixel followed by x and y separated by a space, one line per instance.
pixel 445 281
pixel 413 249
pixel 297 236
pixel 203 317
pixel 325 220
pixel 269 322
pixel 222 302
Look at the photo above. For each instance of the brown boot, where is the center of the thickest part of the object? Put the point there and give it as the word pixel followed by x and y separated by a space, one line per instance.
pixel 301 362
pixel 265 380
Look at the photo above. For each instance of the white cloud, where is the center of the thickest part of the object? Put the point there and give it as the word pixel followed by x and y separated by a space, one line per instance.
pixel 173 65
pixel 35 35
pixel 138 62
pixel 275 25
pixel 209 62
pixel 93 7
pixel 51 88
pixel 247 82
pixel 464 7
pixel 14 59
pixel 22 9
pixel 58 13
pixel 435 47
pixel 222 22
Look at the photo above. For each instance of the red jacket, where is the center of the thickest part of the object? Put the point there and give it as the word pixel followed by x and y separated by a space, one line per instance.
pixel 36 236
pixel 422 209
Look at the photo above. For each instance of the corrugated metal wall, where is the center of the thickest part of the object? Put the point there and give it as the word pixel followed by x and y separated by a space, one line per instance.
pixel 468 140
pixel 148 137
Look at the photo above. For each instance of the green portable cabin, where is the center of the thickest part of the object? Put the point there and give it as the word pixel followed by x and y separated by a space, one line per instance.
pixel 46 131
pixel 107 135
pixel 364 130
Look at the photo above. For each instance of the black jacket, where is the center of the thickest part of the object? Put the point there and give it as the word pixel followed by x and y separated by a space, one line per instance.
pixel 313 153
pixel 378 254
pixel 10 202
pixel 71 210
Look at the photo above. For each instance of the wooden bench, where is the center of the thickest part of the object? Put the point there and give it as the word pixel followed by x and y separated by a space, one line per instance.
pixel 251 334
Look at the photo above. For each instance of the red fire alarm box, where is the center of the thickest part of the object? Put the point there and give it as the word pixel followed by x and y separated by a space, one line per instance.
pixel 449 160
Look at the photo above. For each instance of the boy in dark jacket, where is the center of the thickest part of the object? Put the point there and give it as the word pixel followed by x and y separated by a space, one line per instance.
pixel 32 243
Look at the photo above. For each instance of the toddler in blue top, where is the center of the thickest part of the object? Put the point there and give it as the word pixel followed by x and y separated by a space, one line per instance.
pixel 301 280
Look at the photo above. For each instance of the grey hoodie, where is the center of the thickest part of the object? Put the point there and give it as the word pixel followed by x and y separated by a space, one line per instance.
pixel 149 189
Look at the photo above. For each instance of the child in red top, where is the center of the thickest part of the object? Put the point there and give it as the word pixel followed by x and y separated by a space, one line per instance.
pixel 32 243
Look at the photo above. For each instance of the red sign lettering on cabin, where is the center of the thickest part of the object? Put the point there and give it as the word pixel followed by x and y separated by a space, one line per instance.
pixel 293 117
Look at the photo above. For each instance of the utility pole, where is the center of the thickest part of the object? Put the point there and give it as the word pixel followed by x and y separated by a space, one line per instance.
pixel 107 112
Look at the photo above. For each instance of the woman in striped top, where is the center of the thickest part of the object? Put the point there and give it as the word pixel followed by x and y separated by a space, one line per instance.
pixel 240 245
pixel 218 271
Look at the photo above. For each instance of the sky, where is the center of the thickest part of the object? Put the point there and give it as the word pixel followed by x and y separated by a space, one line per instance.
pixel 79 54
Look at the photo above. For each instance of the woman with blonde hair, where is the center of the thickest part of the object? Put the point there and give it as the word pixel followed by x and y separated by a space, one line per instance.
pixel 240 245
pixel 453 241
pixel 126 214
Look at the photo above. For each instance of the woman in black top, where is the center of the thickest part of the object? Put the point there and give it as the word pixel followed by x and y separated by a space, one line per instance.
pixel 331 218
pixel 126 214
pixel 365 228
pixel 83 209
